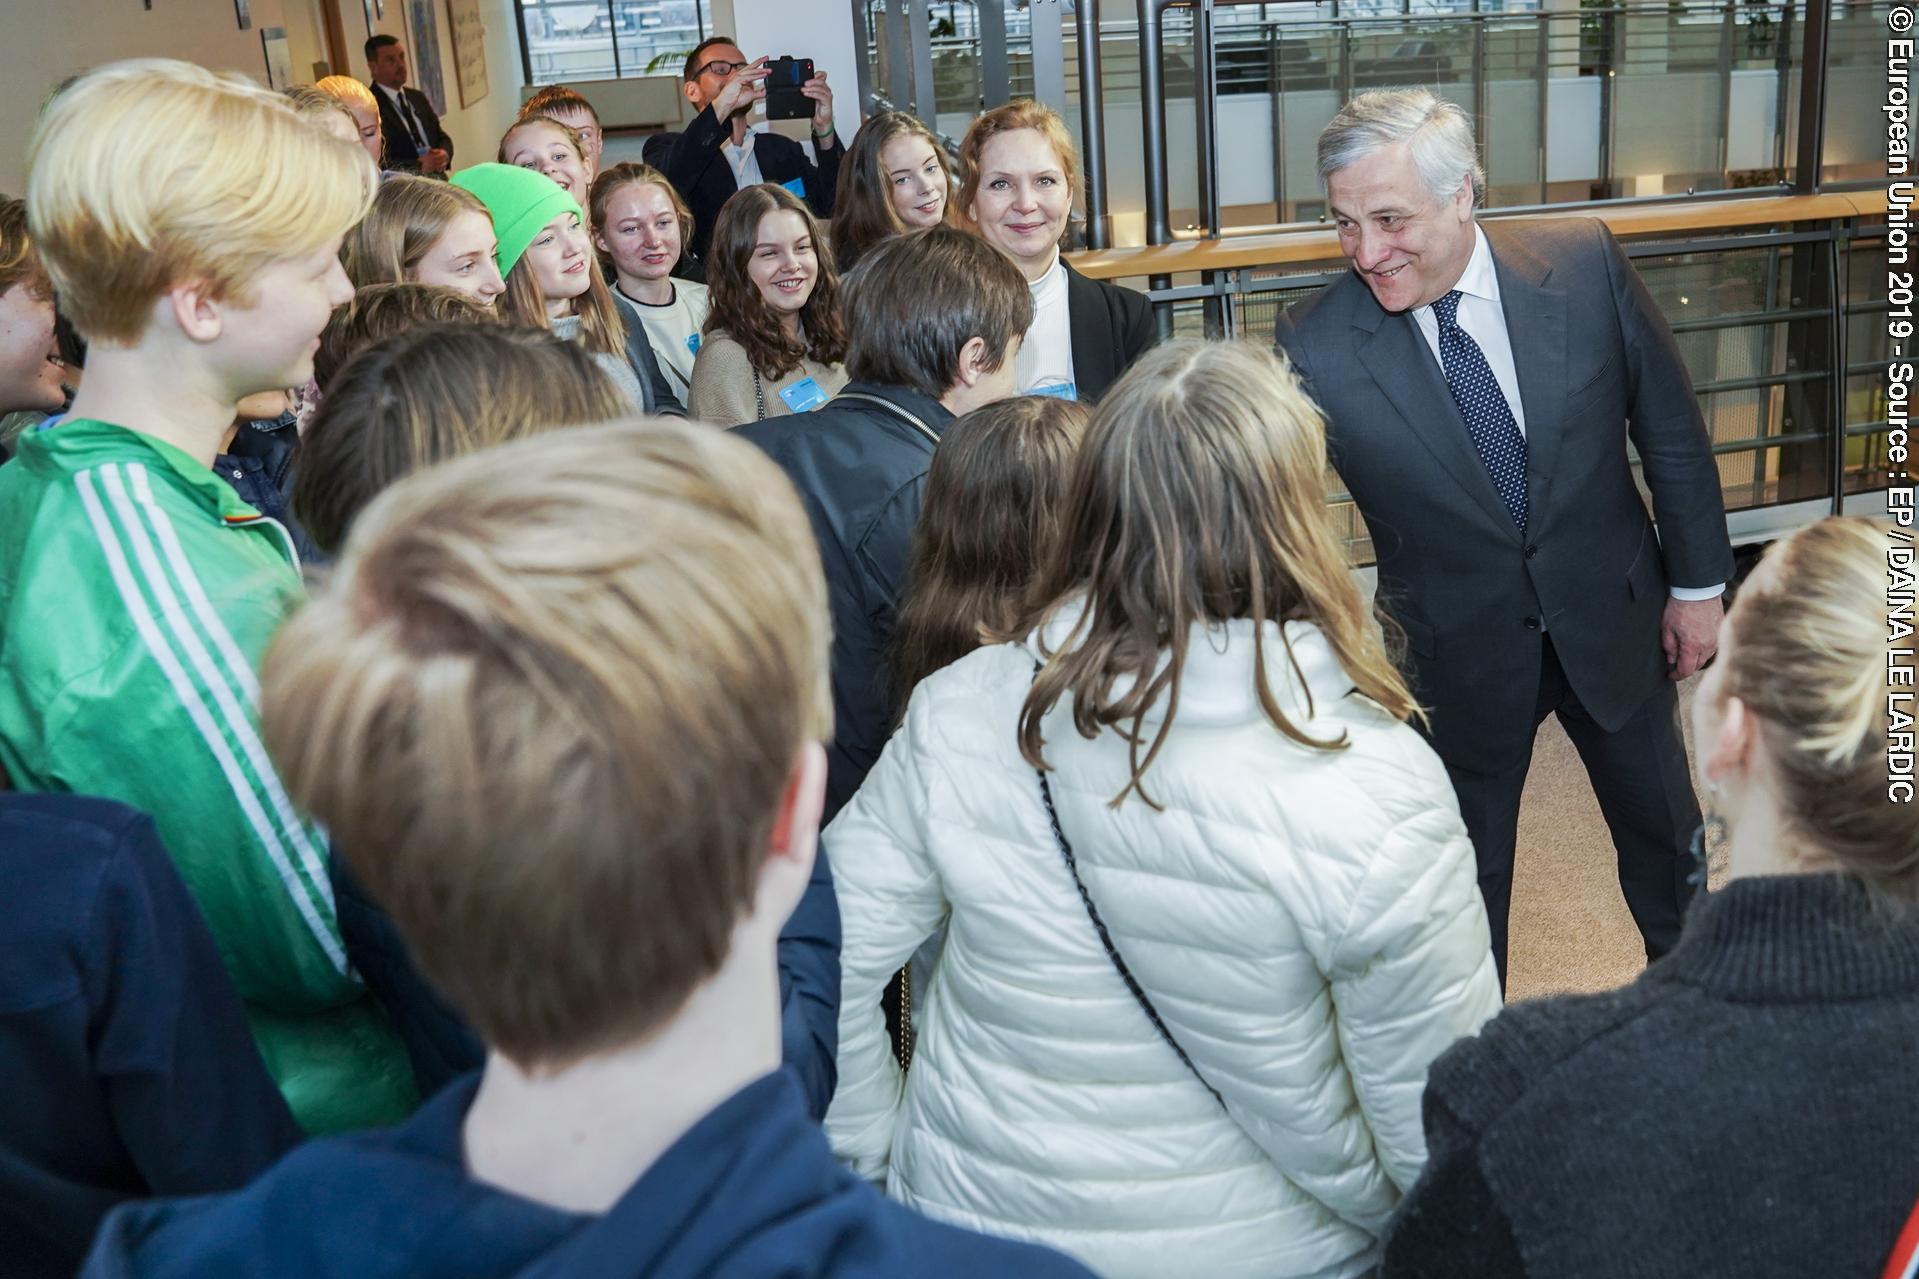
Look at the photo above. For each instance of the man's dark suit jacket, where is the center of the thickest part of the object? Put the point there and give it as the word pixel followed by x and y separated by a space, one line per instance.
pixel 1112 327
pixel 692 162
pixel 1597 365
pixel 401 153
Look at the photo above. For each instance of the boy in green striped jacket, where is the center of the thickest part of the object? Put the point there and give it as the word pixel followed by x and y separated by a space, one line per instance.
pixel 137 591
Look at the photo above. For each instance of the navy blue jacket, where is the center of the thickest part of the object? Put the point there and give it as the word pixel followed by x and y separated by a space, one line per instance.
pixel 443 1047
pixel 259 466
pixel 861 472
pixel 750 1192
pixel 126 1069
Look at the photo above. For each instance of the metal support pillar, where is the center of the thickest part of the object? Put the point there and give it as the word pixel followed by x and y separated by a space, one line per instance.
pixel 995 75
pixel 1152 105
pixel 1812 99
pixel 1049 55
pixel 1092 125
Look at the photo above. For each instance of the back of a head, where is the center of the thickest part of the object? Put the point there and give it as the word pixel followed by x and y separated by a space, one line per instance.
pixel 916 299
pixel 136 184
pixel 995 495
pixel 1809 656
pixel 432 394
pixel 380 312
pixel 408 216
pixel 547 705
pixel 1199 497
pixel 347 91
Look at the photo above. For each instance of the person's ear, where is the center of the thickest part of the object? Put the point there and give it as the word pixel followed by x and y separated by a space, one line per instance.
pixel 1729 754
pixel 796 824
pixel 691 90
pixel 972 362
pixel 193 311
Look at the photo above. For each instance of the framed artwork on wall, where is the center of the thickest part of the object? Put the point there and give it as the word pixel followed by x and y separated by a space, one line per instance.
pixel 279 56
pixel 469 49
pixel 425 54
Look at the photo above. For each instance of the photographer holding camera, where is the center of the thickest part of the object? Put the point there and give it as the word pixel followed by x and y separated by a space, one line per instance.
pixel 725 88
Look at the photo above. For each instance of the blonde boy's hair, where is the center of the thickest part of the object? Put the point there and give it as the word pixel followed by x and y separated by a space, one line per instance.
pixel 347 91
pixel 548 704
pixel 149 173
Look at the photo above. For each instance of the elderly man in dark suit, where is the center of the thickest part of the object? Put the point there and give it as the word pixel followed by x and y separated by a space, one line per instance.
pixel 1480 384
pixel 415 142
pixel 719 153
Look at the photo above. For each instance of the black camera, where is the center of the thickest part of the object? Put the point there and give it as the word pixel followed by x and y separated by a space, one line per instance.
pixel 784 78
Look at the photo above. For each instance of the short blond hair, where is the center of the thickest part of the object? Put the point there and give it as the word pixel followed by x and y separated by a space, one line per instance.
pixel 548 704
pixel 347 91
pixel 148 173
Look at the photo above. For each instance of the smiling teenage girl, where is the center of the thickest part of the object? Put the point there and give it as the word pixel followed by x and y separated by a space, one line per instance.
pixel 1020 174
pixel 552 281
pixel 544 145
pixel 775 337
pixel 894 180
pixel 423 231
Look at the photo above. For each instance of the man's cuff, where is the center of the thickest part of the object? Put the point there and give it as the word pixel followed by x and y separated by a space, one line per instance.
pixel 1696 593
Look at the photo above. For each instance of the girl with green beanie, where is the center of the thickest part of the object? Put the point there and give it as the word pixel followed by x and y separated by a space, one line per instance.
pixel 546 258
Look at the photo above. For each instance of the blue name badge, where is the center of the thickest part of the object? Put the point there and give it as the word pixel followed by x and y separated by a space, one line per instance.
pixel 803 395
pixel 797 186
pixel 1056 390
pixel 693 343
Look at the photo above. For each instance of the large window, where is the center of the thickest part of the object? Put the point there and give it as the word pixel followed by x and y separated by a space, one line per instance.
pixel 565 40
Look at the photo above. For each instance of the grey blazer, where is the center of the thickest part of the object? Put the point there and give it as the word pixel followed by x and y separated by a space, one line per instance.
pixel 1597 365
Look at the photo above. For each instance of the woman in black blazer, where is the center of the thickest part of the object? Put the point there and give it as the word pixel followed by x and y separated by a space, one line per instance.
pixel 1020 172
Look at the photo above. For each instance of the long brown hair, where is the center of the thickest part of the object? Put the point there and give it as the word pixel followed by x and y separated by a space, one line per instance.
pixel 863 212
pixel 1199 497
pixel 994 499
pixel 409 215
pixel 602 328
pixel 741 313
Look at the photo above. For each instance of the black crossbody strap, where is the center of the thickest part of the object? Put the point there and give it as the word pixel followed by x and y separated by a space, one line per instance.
pixel 1106 939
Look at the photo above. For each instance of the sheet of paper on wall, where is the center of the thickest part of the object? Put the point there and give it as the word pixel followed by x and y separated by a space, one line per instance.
pixel 469 49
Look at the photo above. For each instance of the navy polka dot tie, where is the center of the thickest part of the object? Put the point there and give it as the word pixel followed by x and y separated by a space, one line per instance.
pixel 1488 417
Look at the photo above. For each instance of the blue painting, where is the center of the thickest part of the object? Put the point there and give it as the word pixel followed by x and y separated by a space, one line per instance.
pixel 426 74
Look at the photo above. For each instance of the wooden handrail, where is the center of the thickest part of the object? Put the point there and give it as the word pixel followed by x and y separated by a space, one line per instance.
pixel 1315 243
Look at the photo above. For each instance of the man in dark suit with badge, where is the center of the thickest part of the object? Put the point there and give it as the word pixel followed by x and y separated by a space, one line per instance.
pixel 1480 384
pixel 415 142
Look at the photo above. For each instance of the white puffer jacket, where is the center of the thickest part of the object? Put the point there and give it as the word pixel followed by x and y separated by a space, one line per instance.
pixel 1306 922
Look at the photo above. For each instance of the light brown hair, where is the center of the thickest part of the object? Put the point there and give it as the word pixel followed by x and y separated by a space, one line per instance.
pixel 316 104
pixel 19 264
pixel 741 313
pixel 611 182
pixel 557 97
pixel 548 705
pixel 863 212
pixel 995 496
pixel 409 215
pixel 1199 497
pixel 1808 657
pixel 139 181
pixel 918 298
pixel 381 311
pixel 1024 113
pixel 432 394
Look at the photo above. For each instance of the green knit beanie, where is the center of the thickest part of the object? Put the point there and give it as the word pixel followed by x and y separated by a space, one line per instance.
pixel 521 202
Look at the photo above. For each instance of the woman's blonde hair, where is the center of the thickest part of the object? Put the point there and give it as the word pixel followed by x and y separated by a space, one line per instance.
pixel 318 105
pixel 347 91
pixel 408 217
pixel 137 183
pixel 1809 656
pixel 1021 114
pixel 1198 497
pixel 434 393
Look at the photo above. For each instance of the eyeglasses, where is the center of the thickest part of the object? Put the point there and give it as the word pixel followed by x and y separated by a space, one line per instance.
pixel 719 68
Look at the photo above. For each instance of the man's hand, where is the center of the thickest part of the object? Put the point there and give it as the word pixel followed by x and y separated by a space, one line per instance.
pixel 822 105
pixel 434 161
pixel 1689 633
pixel 742 91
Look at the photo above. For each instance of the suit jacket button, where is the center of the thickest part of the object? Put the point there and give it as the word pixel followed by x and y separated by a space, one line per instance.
pixel 1532 623
pixel 1531 551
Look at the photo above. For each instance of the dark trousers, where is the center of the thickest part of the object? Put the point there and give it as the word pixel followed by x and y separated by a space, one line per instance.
pixel 1644 787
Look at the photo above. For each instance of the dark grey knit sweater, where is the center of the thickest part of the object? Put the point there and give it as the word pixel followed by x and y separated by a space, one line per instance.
pixel 1749 1107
